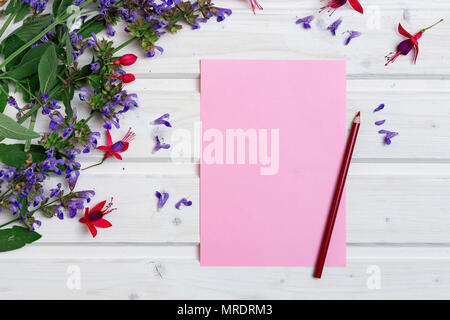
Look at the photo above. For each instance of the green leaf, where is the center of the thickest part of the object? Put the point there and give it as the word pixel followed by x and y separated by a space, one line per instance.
pixel 22 11
pixel 32 85
pixel 9 46
pixel 47 69
pixel 4 95
pixel 69 49
pixel 68 94
pixel 60 6
pixel 94 25
pixel 16 238
pixel 13 155
pixel 29 63
pixel 11 129
pixel 11 7
pixel 32 28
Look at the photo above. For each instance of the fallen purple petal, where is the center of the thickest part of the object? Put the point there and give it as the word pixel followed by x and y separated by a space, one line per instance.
pixel 380 122
pixel 162 198
pixel 334 26
pixel 160 145
pixel 389 135
pixel 380 107
pixel 184 201
pixel 353 34
pixel 161 120
pixel 306 21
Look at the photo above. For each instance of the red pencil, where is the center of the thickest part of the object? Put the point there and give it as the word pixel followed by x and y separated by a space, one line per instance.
pixel 337 196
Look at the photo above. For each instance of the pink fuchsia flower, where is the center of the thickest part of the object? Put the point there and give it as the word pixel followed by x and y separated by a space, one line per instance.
pixel 352 34
pixel 126 60
pixel 306 21
pixel 113 149
pixel 335 4
pixel 407 45
pixel 127 78
pixel 94 218
pixel 255 4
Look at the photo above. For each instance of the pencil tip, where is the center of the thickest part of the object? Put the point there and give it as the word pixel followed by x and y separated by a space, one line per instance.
pixel 359 114
pixel 357 118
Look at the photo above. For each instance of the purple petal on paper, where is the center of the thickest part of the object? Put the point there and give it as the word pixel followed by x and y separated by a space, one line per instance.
pixel 380 122
pixel 389 135
pixel 353 34
pixel 161 120
pixel 380 107
pixel 162 198
pixel 334 26
pixel 184 201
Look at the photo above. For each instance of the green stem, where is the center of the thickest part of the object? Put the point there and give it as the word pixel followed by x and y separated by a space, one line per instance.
pixel 432 25
pixel 5 193
pixel 124 44
pixel 32 124
pixel 6 24
pixel 9 222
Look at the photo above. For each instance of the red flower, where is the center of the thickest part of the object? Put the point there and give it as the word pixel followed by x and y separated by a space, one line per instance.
pixel 255 5
pixel 113 149
pixel 94 218
pixel 407 45
pixel 334 4
pixel 129 77
pixel 126 60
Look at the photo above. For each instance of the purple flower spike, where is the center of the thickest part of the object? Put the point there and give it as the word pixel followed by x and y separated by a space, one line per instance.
pixel 380 107
pixel 160 145
pixel 379 123
pixel 183 201
pixel 334 26
pixel 353 34
pixel 162 198
pixel 306 21
pixel 161 120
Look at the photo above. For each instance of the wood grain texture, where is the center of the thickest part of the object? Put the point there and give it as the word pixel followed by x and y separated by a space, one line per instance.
pixel 398 196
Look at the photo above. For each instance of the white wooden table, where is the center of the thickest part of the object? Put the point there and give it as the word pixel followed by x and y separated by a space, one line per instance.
pixel 398 196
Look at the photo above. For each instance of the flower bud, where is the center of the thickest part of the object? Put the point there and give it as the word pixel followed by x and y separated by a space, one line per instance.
pixel 126 78
pixel 126 60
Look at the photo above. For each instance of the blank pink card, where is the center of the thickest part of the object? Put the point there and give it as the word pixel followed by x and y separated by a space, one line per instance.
pixel 273 137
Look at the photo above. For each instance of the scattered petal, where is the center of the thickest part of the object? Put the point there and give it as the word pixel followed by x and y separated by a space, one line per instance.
pixel 306 21
pixel 380 107
pixel 184 201
pixel 162 198
pixel 353 34
pixel 161 120
pixel 334 26
pixel 380 122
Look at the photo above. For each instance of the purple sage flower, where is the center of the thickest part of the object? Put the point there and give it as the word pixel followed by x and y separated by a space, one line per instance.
pixel 380 107
pixel 183 201
pixel 389 135
pixel 306 21
pixel 353 34
pixel 160 145
pixel 334 26
pixel 162 198
pixel 161 120
pixel 95 66
pixel 380 122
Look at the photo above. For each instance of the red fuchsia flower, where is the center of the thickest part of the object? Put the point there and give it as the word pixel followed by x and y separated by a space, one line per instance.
pixel 407 45
pixel 255 5
pixel 113 149
pixel 128 77
pixel 94 218
pixel 335 4
pixel 126 60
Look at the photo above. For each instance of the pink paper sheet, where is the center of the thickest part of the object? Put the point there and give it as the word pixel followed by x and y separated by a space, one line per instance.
pixel 255 212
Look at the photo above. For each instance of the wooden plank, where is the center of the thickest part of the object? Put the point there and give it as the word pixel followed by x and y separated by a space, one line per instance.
pixel 122 272
pixel 417 109
pixel 387 203
pixel 273 34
